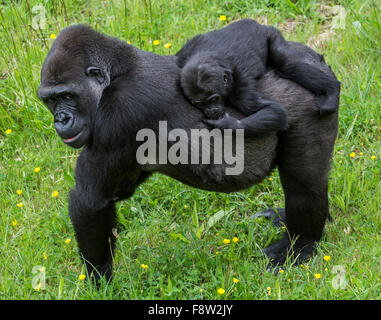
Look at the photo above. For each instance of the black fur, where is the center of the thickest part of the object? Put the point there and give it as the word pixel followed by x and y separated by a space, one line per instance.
pixel 222 66
pixel 116 90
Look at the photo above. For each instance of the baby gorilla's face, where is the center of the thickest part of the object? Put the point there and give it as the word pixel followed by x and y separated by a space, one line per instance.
pixel 205 85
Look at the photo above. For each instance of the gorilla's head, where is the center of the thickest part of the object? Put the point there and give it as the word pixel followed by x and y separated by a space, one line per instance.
pixel 206 82
pixel 75 73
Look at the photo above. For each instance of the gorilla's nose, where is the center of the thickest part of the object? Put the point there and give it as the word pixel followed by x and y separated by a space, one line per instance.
pixel 63 121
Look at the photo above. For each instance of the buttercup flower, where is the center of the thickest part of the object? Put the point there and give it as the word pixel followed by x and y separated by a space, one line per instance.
pixel 8 131
pixel 317 275
pixel 144 266
pixel 235 239
pixel 221 291
pixel 327 258
pixel 81 277
pixel 156 42
pixel 167 45
pixel 20 204
pixel 352 154
pixel 53 36
pixel 55 194
pixel 373 157
pixel 14 223
pixel 19 192
pixel 37 169
pixel 222 18
pixel 268 291
pixel 226 241
pixel 235 280
pixel 68 240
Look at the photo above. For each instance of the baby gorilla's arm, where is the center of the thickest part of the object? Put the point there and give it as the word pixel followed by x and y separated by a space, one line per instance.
pixel 271 118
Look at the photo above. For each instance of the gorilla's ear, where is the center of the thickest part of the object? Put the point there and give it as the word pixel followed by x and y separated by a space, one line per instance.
pixel 227 77
pixel 98 74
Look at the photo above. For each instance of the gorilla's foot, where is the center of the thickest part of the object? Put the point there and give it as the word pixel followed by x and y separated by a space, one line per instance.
pixel 295 251
pixel 276 216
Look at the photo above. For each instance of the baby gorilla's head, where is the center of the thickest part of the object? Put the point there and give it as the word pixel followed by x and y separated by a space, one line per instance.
pixel 206 82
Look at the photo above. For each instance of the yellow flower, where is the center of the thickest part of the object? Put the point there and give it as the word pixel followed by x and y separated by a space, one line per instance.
pixel 14 223
pixel 53 36
pixel 352 154
pixel 281 270
pixel 37 169
pixel 361 154
pixel 235 239
pixel 327 258
pixel 45 255
pixel 55 194
pixel 42 269
pixel 270 179
pixel 68 240
pixel 235 280
pixel 222 18
pixel 326 270
pixel 221 291
pixel 317 275
pixel 19 192
pixel 9 131
pixel 156 42
pixel 144 266
pixel 226 241
pixel 129 42
pixel 268 291
pixel 20 204
pixel 167 45
pixel 185 206
pixel 373 157
pixel 81 277
pixel 38 287
pixel 201 291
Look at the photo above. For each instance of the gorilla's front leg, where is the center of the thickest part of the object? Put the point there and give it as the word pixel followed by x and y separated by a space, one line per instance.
pixel 101 179
pixel 93 226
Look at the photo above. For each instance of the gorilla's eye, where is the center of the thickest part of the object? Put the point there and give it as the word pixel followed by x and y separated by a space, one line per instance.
pixel 214 98
pixel 50 100
pixel 68 97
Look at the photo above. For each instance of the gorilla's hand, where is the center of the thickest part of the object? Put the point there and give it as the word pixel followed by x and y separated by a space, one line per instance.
pixel 226 122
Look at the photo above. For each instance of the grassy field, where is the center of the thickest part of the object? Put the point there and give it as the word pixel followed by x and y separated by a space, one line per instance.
pixel 159 227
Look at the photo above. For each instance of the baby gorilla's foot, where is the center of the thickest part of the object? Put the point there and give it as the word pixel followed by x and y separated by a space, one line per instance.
pixel 328 104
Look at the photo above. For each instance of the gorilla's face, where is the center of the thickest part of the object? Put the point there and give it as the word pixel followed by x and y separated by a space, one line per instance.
pixel 206 84
pixel 72 95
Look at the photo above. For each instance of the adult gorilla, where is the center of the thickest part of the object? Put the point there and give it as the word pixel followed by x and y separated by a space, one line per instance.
pixel 102 91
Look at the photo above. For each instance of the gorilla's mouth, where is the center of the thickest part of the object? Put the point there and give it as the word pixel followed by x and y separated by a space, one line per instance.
pixel 72 139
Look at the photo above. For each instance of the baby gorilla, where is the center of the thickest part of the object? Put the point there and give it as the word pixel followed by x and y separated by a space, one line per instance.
pixel 207 81
pixel 221 67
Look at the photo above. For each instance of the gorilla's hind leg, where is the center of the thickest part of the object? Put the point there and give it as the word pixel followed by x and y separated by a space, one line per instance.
pixel 276 216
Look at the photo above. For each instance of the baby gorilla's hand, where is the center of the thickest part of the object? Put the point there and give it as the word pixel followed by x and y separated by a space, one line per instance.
pixel 226 122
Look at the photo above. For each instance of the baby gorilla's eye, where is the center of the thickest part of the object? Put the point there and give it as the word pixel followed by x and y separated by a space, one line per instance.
pixel 214 98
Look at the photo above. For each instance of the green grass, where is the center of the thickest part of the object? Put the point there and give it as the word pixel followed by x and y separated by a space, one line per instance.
pixel 160 226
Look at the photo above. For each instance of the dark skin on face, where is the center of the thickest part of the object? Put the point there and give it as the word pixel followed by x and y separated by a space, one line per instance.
pixel 64 102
